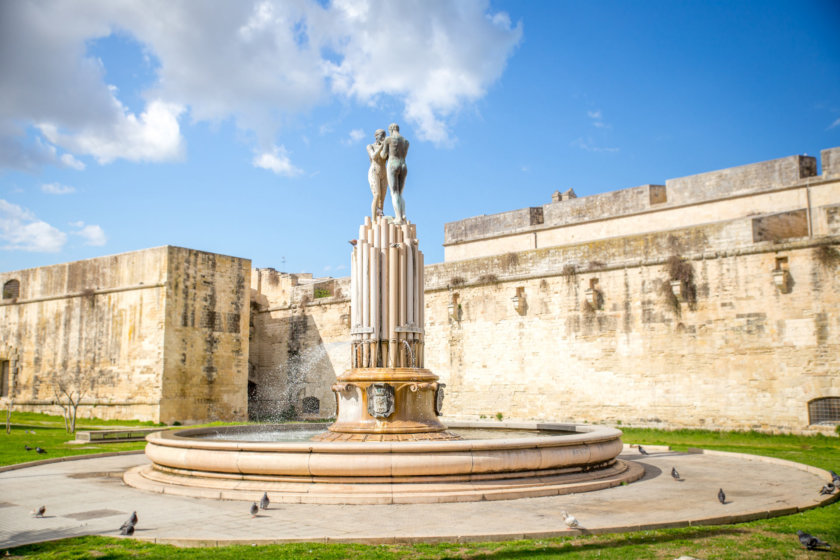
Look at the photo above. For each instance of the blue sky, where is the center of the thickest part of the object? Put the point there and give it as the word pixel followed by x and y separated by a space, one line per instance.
pixel 240 127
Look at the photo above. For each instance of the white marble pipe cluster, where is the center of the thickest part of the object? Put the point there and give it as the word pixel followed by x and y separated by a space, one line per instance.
pixel 386 296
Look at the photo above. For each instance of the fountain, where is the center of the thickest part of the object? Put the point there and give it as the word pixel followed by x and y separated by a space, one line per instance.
pixel 387 444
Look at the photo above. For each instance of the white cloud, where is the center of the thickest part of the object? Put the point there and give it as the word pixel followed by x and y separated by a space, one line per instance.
pixel 260 63
pixel 439 56
pixel 154 136
pixel 277 160
pixel 92 234
pixel 589 146
pixel 69 161
pixel 57 188
pixel 834 124
pixel 355 135
pixel 21 230
pixel 597 119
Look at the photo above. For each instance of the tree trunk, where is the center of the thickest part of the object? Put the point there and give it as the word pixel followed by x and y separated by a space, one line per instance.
pixel 9 418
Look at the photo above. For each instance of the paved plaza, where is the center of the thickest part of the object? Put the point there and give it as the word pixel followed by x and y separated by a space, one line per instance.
pixel 88 497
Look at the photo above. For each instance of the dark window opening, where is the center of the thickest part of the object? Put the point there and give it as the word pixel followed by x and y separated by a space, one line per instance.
pixel 824 411
pixel 11 289
pixel 4 378
pixel 311 405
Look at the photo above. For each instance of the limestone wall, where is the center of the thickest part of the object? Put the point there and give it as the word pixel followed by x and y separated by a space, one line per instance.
pixel 135 331
pixel 743 355
pixel 773 186
pixel 99 322
pixel 205 375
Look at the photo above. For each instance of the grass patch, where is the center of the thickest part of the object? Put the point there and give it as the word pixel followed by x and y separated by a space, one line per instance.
pixel 764 539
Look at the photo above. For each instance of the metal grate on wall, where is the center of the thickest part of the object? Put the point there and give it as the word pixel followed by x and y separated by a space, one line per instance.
pixel 824 411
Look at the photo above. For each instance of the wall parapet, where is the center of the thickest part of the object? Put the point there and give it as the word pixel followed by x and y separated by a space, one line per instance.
pixel 779 174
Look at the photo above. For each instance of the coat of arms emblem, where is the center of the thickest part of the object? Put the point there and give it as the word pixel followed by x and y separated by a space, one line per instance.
pixel 439 398
pixel 380 400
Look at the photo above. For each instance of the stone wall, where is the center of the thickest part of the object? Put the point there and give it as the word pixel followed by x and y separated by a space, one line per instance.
pixel 206 338
pixel 115 325
pixel 767 187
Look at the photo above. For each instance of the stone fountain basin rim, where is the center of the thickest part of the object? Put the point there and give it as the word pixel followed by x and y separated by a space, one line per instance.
pixel 585 433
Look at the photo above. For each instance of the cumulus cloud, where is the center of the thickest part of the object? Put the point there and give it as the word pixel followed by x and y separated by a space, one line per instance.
pixel 258 62
pixel 57 188
pixel 21 230
pixel 91 234
pixel 355 135
pixel 434 55
pixel 276 160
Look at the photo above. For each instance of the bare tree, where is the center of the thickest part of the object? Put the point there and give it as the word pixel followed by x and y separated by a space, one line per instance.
pixel 69 388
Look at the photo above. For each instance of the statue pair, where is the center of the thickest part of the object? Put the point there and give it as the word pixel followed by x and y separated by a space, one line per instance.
pixel 387 167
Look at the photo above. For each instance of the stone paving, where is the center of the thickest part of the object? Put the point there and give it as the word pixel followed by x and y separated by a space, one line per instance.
pixel 88 497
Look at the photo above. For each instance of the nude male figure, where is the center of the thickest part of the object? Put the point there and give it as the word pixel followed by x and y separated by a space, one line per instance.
pixel 394 149
pixel 376 175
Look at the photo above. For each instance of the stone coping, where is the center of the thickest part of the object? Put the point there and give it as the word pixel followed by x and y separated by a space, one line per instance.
pixel 584 434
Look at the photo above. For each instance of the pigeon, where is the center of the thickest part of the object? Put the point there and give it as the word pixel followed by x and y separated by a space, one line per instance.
pixel 674 474
pixel 835 478
pixel 39 512
pixel 721 496
pixel 353 242
pixel 827 489
pixel 254 509
pixel 264 501
pixel 27 447
pixel 569 519
pixel 811 542
pixel 130 522
pixel 127 530
pixel 642 450
pixel 40 450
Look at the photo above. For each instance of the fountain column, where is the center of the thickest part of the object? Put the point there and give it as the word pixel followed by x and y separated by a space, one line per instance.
pixel 387 394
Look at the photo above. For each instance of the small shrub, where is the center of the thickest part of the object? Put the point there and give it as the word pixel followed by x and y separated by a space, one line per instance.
pixel 499 416
pixel 322 293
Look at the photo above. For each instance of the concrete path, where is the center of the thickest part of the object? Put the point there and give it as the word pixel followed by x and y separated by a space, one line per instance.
pixel 88 497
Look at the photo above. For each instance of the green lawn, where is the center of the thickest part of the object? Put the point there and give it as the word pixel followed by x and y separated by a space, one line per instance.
pixel 765 539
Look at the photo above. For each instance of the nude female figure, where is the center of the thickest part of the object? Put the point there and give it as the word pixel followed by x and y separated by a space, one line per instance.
pixel 377 175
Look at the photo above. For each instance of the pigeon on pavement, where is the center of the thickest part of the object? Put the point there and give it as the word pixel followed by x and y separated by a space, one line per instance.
pixel 721 496
pixel 811 542
pixel 835 478
pixel 254 509
pixel 569 519
pixel 264 501
pixel 674 474
pixel 642 450
pixel 39 512
pixel 130 522
pixel 827 489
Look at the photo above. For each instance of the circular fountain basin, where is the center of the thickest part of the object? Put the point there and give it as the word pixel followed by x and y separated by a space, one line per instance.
pixel 528 460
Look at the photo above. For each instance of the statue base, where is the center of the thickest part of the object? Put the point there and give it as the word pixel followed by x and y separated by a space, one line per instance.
pixel 387 404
